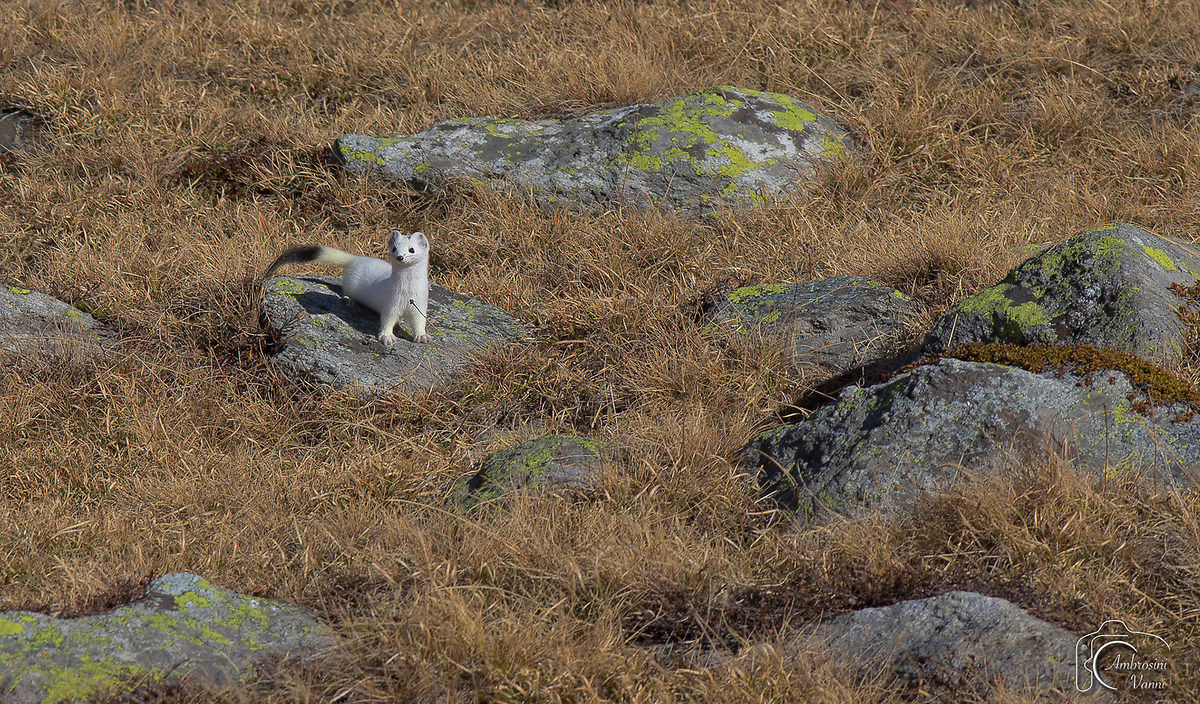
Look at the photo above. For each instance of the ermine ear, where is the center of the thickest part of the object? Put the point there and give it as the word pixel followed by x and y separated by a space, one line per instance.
pixel 421 238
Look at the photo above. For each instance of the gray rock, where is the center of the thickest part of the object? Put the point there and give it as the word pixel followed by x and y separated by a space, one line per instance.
pixel 840 325
pixel 552 462
pixel 1109 287
pixel 15 129
pixel 184 629
pixel 332 339
pixel 691 154
pixel 32 322
pixel 957 641
pixel 884 445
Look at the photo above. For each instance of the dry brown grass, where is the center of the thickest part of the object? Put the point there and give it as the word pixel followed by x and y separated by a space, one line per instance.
pixel 187 151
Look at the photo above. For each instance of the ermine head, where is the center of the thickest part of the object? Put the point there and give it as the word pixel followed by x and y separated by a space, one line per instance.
pixel 407 249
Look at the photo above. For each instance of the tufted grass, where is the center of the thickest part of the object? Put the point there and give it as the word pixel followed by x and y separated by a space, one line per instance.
pixel 189 148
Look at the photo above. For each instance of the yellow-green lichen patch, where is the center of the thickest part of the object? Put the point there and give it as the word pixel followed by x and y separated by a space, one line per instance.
pixel 18 290
pixel 1160 387
pixel 1008 319
pixel 288 286
pixel 9 627
pixel 1160 257
pixel 746 293
pixel 86 680
pixel 351 155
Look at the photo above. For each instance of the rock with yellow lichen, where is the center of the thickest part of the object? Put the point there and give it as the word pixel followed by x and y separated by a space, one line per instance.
pixel 1114 287
pixel 185 630
pixel 721 147
pixel 838 326
pixel 549 463
pixel 32 322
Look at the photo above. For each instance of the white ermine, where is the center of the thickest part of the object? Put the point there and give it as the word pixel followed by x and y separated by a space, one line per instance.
pixel 397 290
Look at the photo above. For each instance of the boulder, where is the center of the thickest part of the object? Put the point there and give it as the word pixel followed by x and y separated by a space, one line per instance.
pixel 957 641
pixel 841 326
pixel 33 323
pixel 549 463
pixel 331 339
pixel 1111 287
pixel 185 629
pixel 724 146
pixel 885 445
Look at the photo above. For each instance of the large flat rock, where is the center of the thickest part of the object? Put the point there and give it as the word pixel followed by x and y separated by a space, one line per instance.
pixel 885 445
pixel 957 641
pixel 185 629
pixel 32 322
pixel 839 326
pixel 724 146
pixel 1114 287
pixel 331 339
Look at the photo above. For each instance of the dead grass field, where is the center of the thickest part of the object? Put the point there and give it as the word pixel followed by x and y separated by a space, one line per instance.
pixel 187 149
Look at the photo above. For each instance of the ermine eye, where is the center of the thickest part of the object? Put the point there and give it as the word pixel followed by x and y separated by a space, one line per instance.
pixel 410 249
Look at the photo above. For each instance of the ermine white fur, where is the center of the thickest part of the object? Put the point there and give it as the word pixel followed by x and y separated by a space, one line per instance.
pixel 397 290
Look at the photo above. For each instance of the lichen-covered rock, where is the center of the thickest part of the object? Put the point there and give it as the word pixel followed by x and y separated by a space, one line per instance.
pixel 957 641
pixel 839 325
pixel 884 445
pixel 726 146
pixel 332 339
pixel 32 322
pixel 1109 287
pixel 552 462
pixel 184 629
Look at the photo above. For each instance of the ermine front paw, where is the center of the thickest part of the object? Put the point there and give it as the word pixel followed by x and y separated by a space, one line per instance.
pixel 387 338
pixel 422 338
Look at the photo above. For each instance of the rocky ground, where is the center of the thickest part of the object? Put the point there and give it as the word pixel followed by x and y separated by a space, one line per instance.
pixel 798 352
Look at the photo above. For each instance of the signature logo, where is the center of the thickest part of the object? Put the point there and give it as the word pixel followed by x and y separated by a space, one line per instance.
pixel 1111 657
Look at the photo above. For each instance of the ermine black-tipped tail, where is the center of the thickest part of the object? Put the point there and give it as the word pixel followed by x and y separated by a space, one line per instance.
pixel 296 255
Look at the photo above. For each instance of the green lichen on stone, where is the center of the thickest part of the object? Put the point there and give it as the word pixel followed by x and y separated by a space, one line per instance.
pixel 684 120
pixel 9 627
pixel 747 293
pixel 1009 320
pixel 84 682
pixel 1160 257
pixel 361 155
pixel 288 286
pixel 18 290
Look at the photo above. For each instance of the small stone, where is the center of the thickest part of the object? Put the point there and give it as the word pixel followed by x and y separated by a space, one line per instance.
pixel 331 339
pixel 32 323
pixel 1110 287
pixel 184 630
pixel 842 326
pixel 884 446
pixel 957 641
pixel 720 147
pixel 14 130
pixel 549 463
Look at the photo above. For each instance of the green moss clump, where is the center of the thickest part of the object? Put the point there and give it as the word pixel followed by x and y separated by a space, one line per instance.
pixel 1161 387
